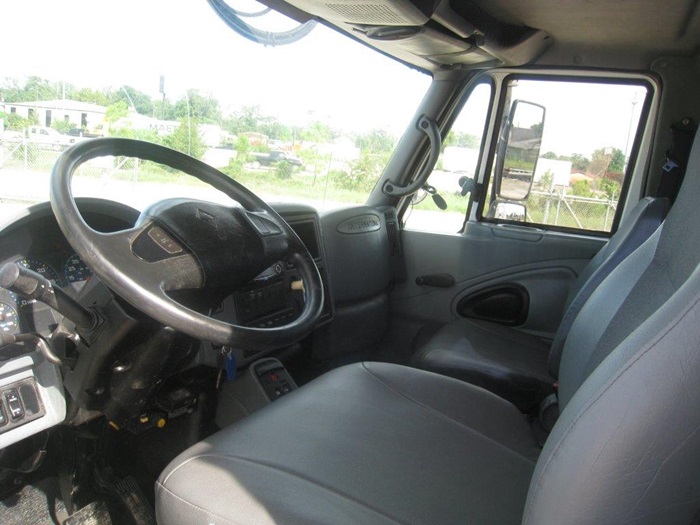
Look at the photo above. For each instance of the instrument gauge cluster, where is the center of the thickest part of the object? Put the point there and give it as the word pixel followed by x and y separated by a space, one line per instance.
pixel 36 242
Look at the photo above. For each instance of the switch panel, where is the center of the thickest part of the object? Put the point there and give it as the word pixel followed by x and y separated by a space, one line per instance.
pixel 274 378
pixel 19 404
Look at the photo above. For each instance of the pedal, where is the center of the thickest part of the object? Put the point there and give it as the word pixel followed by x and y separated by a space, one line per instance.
pixel 96 513
pixel 135 502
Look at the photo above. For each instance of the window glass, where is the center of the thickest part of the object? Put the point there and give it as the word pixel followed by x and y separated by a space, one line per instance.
pixel 585 140
pixel 458 161
pixel 314 121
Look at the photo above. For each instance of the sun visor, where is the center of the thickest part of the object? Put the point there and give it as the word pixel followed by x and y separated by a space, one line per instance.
pixel 369 12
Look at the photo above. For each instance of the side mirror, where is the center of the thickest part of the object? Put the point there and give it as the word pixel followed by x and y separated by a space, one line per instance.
pixel 509 211
pixel 519 150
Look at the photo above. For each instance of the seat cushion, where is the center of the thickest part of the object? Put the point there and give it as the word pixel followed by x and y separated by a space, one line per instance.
pixel 366 443
pixel 506 361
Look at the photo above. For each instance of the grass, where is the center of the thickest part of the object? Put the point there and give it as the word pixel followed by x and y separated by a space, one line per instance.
pixel 306 185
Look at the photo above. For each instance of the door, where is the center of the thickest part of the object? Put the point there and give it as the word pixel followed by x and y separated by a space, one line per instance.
pixel 507 248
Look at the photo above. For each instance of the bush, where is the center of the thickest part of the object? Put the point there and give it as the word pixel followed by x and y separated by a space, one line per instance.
pixel 284 170
pixel 581 188
pixel 234 169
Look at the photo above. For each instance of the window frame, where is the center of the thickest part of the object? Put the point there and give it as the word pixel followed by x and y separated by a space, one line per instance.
pixel 593 77
pixel 452 113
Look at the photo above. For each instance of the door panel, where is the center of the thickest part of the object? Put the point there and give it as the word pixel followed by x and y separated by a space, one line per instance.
pixel 543 263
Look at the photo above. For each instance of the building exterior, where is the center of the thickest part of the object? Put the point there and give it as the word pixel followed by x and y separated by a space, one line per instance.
pixel 77 114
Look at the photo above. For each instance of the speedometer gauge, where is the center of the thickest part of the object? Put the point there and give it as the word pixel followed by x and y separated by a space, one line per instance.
pixel 9 322
pixel 42 269
pixel 75 270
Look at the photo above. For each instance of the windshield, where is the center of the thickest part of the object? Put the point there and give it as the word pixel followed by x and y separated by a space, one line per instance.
pixel 313 122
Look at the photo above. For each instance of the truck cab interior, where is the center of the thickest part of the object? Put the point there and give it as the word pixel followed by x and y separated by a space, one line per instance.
pixel 501 329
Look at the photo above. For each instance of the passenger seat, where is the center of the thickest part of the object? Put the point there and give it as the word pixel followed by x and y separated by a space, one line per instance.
pixel 518 366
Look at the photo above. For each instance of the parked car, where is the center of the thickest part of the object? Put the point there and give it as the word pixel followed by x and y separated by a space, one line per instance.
pixel 274 157
pixel 48 137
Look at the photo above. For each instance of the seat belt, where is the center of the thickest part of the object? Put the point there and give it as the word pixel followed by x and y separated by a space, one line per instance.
pixel 673 171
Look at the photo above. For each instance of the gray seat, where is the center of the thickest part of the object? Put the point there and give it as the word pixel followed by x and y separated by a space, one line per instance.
pixel 381 443
pixel 518 366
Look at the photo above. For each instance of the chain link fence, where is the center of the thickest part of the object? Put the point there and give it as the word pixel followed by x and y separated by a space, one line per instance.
pixel 558 208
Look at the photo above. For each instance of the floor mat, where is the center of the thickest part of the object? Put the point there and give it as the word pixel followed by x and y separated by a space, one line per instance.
pixel 37 504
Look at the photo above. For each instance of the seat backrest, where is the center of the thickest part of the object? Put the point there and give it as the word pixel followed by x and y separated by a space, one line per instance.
pixel 626 447
pixel 637 227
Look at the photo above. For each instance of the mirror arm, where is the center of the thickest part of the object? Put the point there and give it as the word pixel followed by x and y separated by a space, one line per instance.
pixel 430 128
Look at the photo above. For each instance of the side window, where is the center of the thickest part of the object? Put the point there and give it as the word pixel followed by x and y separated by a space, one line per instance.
pixel 459 159
pixel 564 148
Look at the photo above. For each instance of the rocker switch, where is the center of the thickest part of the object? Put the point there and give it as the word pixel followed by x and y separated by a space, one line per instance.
pixel 14 404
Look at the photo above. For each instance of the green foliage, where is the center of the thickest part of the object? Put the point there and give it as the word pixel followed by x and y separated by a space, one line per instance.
pixel 581 188
pixel 317 132
pixel 199 107
pixel 376 141
pixel 364 173
pixel 14 122
pixel 602 163
pixel 235 168
pixel 550 155
pixel 187 139
pixel 91 96
pixel 141 101
pixel 617 161
pixel 462 140
pixel 34 88
pixel 62 126
pixel 610 187
pixel 116 111
pixel 138 134
pixel 284 170
pixel 579 163
pixel 242 147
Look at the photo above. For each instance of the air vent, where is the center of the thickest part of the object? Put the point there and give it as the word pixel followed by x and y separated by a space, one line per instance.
pixel 367 14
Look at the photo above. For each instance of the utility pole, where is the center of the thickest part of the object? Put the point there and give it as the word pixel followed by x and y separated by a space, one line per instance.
pixel 162 91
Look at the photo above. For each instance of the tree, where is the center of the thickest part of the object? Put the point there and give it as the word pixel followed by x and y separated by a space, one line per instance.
pixel 550 155
pixel 610 187
pixel 14 122
pixel 187 139
pixel 579 162
pixel 461 140
pixel 617 161
pixel 376 141
pixel 317 132
pixel 116 111
pixel 33 89
pixel 242 148
pixel 581 188
pixel 143 103
pixel 607 161
pixel 195 105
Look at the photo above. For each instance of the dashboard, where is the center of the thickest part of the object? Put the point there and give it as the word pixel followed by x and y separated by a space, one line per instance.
pixel 35 241
pixel 32 396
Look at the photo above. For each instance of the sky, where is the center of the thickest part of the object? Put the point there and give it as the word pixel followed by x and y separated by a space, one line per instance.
pixel 325 76
pixel 580 117
pixel 95 44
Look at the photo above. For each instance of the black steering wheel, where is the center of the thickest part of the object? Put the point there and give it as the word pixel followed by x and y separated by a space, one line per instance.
pixel 183 244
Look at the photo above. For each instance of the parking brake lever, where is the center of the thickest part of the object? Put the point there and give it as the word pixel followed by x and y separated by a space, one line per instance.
pixel 21 280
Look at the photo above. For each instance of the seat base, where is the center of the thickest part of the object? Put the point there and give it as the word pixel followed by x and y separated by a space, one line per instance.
pixel 365 443
pixel 503 360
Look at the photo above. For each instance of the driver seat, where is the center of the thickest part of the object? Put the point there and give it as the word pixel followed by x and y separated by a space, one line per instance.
pixel 381 443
